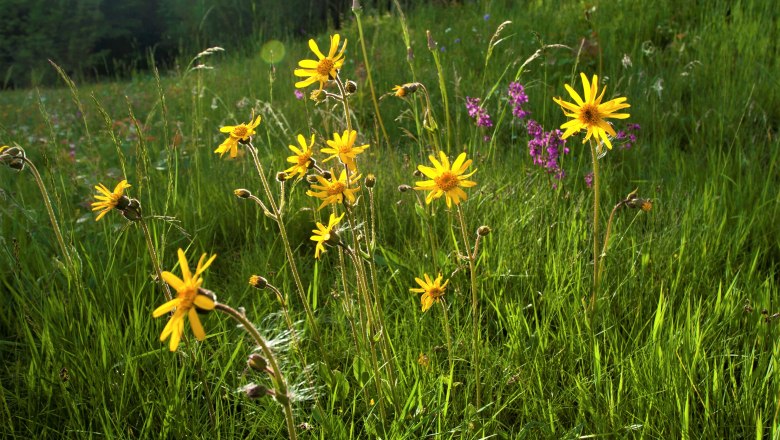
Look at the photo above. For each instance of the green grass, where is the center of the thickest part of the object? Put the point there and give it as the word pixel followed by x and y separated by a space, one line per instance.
pixel 678 348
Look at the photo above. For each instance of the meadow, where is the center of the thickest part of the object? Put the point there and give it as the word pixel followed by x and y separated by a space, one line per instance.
pixel 677 337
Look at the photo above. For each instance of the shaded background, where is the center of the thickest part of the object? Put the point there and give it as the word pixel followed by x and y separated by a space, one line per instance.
pixel 94 39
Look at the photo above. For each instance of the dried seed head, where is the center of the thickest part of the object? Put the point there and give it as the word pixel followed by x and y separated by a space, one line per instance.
pixel 256 391
pixel 242 193
pixel 258 282
pixel 418 174
pixel 257 362
pixel 351 87
pixel 483 231
pixel 404 188
pixel 311 179
pixel 130 208
pixel 431 43
pixel 327 174
pixel 281 176
pixel 370 181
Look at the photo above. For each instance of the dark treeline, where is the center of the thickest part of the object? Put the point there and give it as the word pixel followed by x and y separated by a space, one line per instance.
pixel 95 39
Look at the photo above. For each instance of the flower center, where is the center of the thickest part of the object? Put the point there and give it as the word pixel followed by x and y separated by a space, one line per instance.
pixel 590 115
pixel 240 131
pixel 436 292
pixel 325 66
pixel 446 181
pixel 336 188
pixel 303 159
pixel 187 297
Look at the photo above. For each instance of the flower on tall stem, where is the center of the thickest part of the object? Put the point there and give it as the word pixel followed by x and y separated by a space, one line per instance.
pixel 432 291
pixel 323 69
pixel 590 113
pixel 188 300
pixel 446 180
pixel 478 112
pixel 240 132
pixel 343 148
pixel 108 200
pixel 301 160
pixel 326 234
pixel 335 190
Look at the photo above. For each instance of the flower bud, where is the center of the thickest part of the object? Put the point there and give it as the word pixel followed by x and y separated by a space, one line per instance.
pixel 351 87
pixel 257 362
pixel 418 174
pixel 370 181
pixel 256 391
pixel 311 179
pixel 404 188
pixel 281 176
pixel 327 174
pixel 130 208
pixel 258 282
pixel 242 193
pixel 431 43
pixel 483 231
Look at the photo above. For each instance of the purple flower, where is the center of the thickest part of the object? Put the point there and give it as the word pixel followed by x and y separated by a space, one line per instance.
pixel 546 149
pixel 517 98
pixel 589 179
pixel 629 134
pixel 477 112
pixel 299 94
pixel 486 17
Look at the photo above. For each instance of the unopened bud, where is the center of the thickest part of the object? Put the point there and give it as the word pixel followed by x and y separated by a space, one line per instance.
pixel 327 174
pixel 311 179
pixel 431 43
pixel 281 176
pixel 258 282
pixel 351 87
pixel 483 231
pixel 256 391
pixel 130 208
pixel 242 193
pixel 318 96
pixel 418 174
pixel 16 164
pixel 404 188
pixel 370 181
pixel 257 362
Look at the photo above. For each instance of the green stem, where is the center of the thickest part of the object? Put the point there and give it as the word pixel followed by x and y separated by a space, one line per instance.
pixel 155 260
pixel 607 234
pixel 444 98
pixel 474 305
pixel 279 384
pixel 595 158
pixel 451 360
pixel 345 103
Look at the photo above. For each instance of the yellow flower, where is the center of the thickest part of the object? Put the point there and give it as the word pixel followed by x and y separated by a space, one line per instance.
pixel 3 148
pixel 446 180
pixel 240 132
pixel 432 290
pixel 342 147
pixel 302 157
pixel 335 190
pixel 406 89
pixel 590 113
pixel 108 200
pixel 187 301
pixel 325 68
pixel 326 234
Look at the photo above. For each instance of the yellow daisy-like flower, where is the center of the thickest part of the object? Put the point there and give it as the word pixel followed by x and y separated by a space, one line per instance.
pixel 335 190
pixel 187 300
pixel 3 148
pixel 342 147
pixel 108 200
pixel 590 113
pixel 326 234
pixel 446 180
pixel 432 290
pixel 325 68
pixel 302 158
pixel 405 89
pixel 240 132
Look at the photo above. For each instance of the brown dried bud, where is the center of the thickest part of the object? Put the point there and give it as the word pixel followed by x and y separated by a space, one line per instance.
pixel 351 87
pixel 258 282
pixel 130 208
pixel 431 43
pixel 418 174
pixel 370 181
pixel 242 193
pixel 281 176
pixel 483 231
pixel 311 179
pixel 404 188
pixel 257 362
pixel 327 174
pixel 255 391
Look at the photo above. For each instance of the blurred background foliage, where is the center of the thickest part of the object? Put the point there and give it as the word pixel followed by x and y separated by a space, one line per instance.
pixel 98 39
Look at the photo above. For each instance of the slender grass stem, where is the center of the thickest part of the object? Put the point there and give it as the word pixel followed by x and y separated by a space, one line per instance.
pixel 155 260
pixel 474 306
pixel 451 360
pixel 282 394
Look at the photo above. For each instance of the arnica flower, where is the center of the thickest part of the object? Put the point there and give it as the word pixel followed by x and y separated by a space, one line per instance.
pixel 432 290
pixel 405 89
pixel 240 132
pixel 342 147
pixel 590 113
pixel 335 190
pixel 445 179
pixel 326 234
pixel 323 69
pixel 108 200
pixel 188 299
pixel 302 159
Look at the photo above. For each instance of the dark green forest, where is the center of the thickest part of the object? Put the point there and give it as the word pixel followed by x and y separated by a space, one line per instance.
pixel 107 39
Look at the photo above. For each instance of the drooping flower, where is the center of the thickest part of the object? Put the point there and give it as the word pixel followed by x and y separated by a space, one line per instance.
pixel 342 147
pixel 432 290
pixel 446 180
pixel 323 69
pixel 188 299
pixel 405 89
pixel 326 234
pixel 590 113
pixel 240 132
pixel 335 190
pixel 108 200
pixel 301 160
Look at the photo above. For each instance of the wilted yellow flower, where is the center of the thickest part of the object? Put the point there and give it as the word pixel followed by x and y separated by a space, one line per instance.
pixel 335 190
pixel 326 234
pixel 590 113
pixel 188 299
pixel 446 180
pixel 405 89
pixel 302 157
pixel 240 132
pixel 325 68
pixel 342 147
pixel 432 290
pixel 108 200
